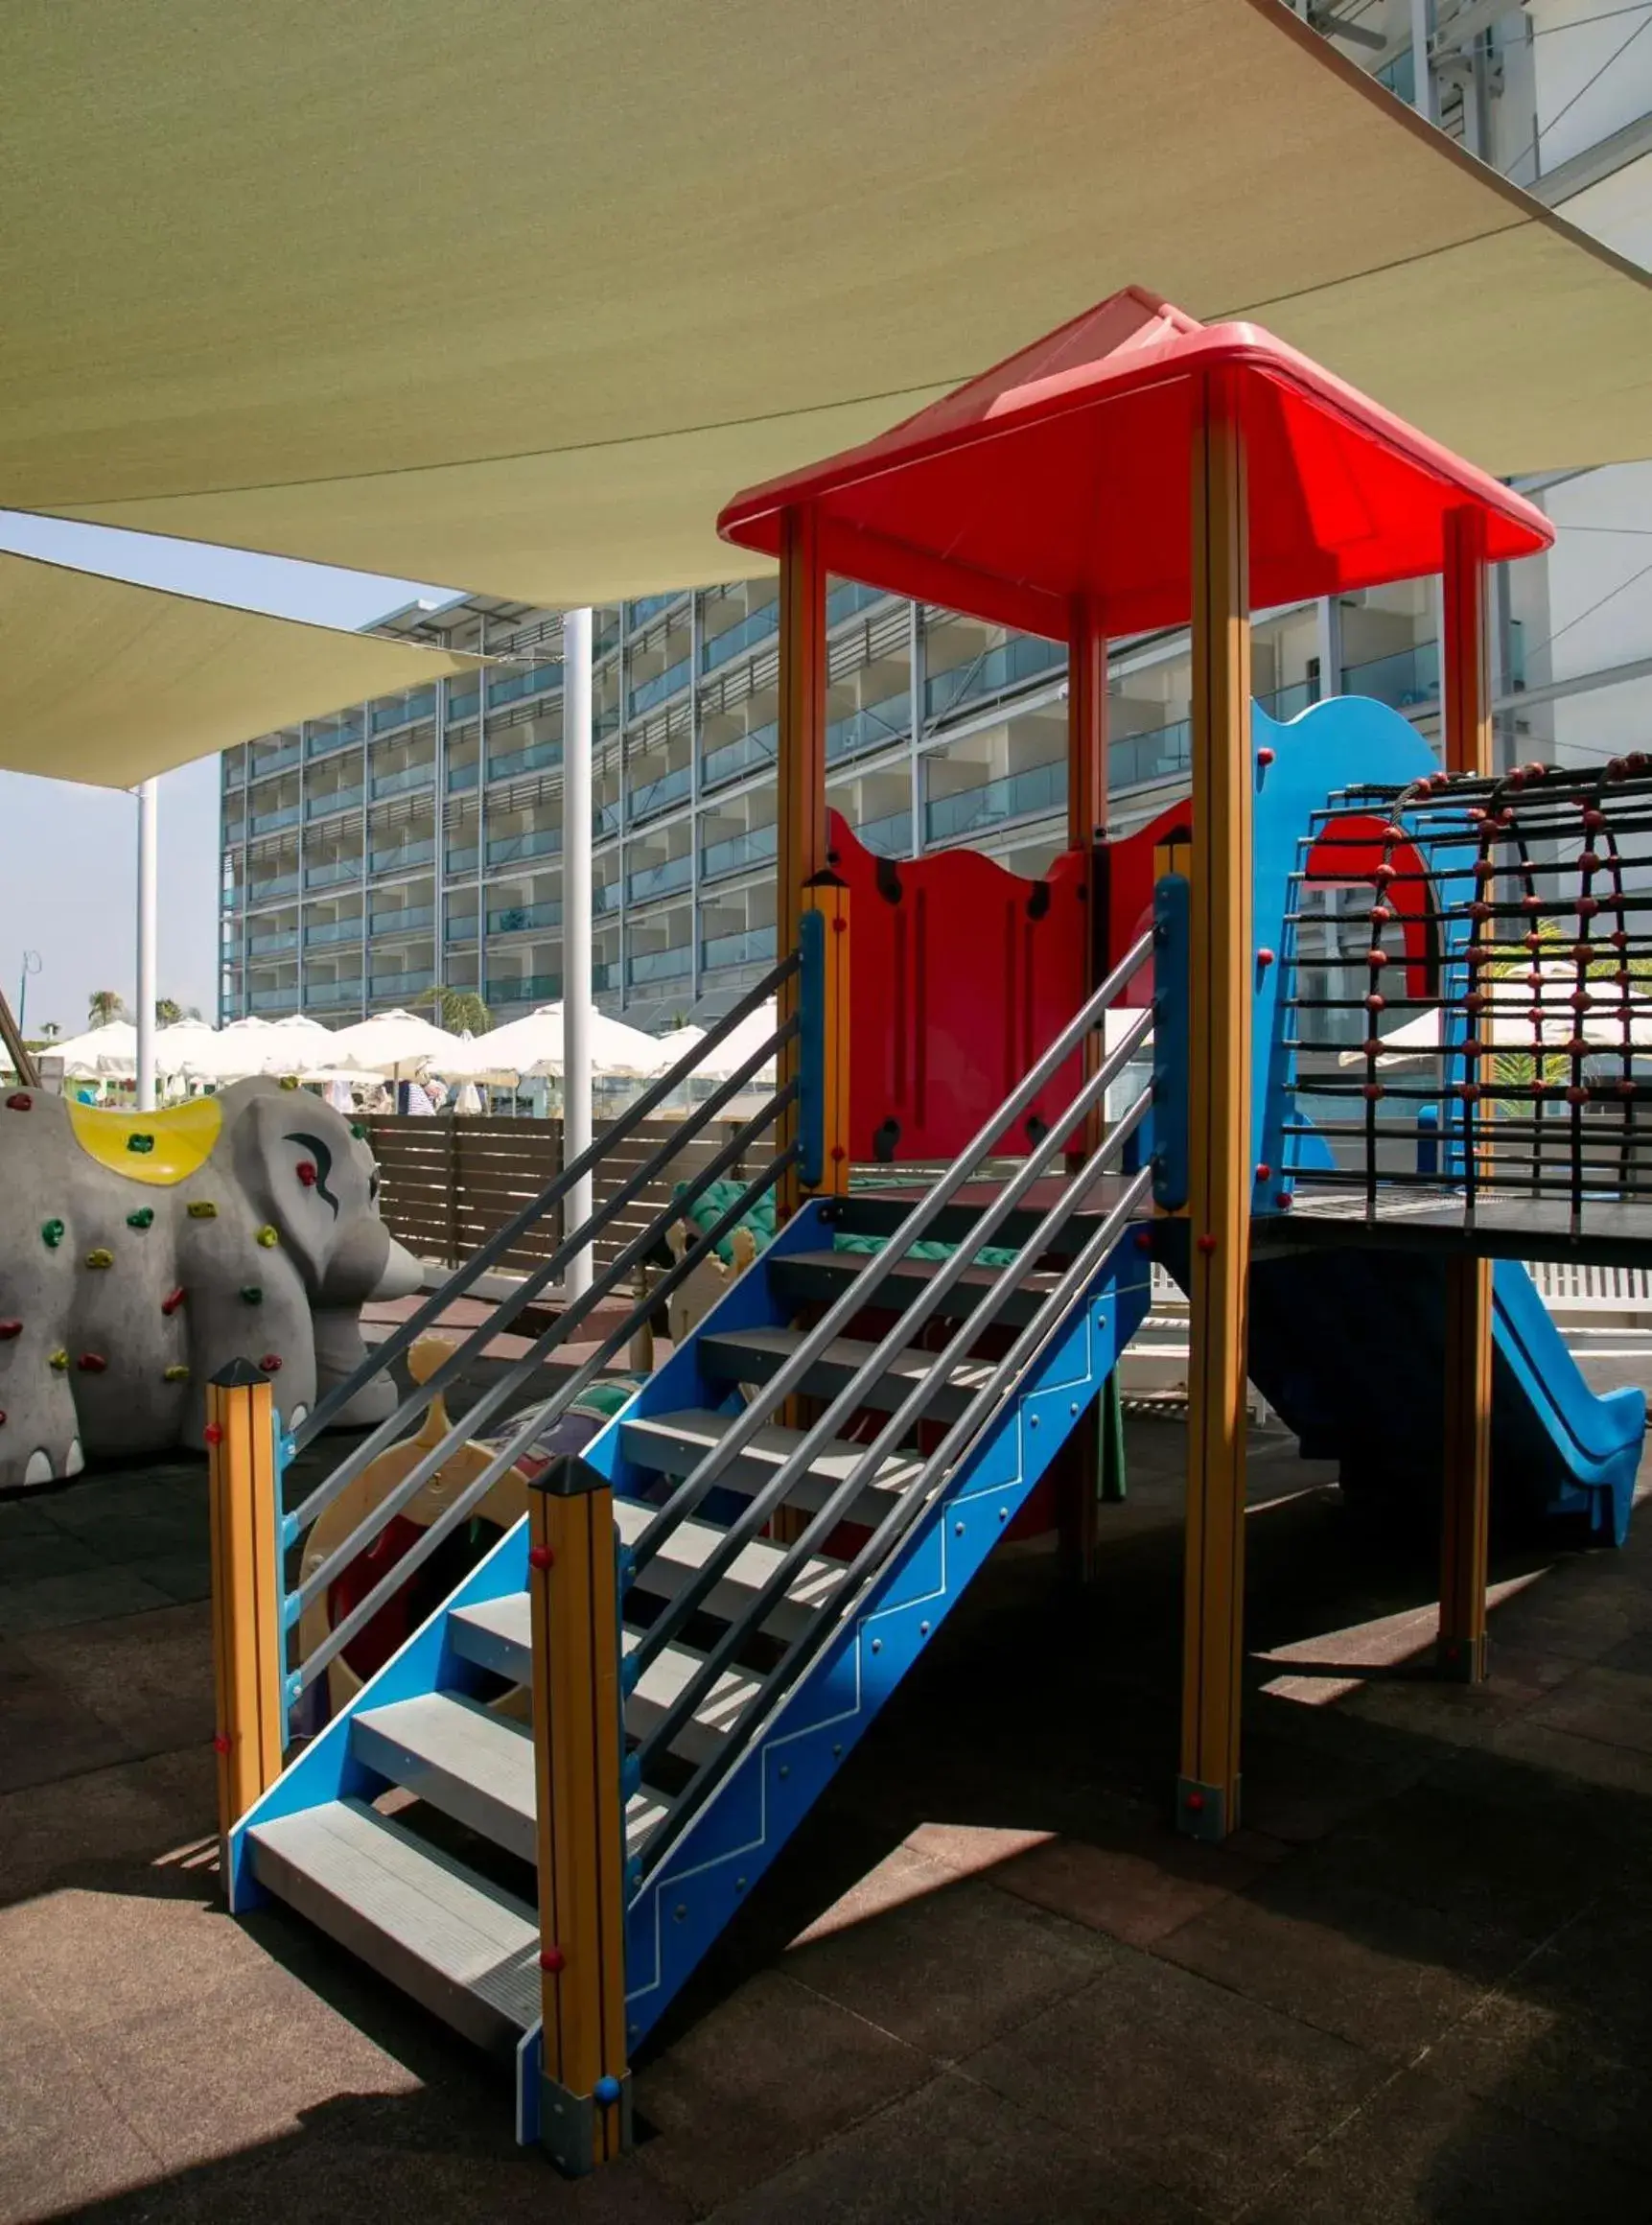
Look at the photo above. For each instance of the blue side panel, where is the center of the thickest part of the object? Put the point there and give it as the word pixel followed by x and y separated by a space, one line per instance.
pixel 1595 1442
pixel 709 1873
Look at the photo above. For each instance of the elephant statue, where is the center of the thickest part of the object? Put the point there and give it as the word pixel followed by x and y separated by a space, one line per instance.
pixel 141 1252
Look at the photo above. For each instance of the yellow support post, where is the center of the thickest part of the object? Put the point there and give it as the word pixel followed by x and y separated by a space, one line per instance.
pixel 248 1656
pixel 585 2093
pixel 1219 1118
pixel 800 806
pixel 1466 1476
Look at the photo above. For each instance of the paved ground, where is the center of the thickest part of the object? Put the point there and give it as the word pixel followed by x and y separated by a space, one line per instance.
pixel 986 1985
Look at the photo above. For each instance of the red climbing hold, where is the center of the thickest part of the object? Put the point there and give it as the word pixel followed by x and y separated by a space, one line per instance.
pixel 172 1300
pixel 9 1329
pixel 270 1364
pixel 541 1557
pixel 221 1745
pixel 307 1173
pixel 91 1363
pixel 19 1101
pixel 213 1433
pixel 1264 756
pixel 552 1958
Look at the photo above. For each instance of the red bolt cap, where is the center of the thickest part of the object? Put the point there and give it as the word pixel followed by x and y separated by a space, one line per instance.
pixel 213 1433
pixel 9 1329
pixel 19 1101
pixel 1196 1803
pixel 1282 1197
pixel 172 1300
pixel 1263 1172
pixel 1207 1244
pixel 838 1152
pixel 1264 756
pixel 552 1958
pixel 221 1745
pixel 307 1173
pixel 1265 957
pixel 541 1557
pixel 1144 1240
pixel 91 1363
pixel 270 1362
pixel 839 926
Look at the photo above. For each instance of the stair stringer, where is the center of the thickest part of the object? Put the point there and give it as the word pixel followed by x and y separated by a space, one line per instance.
pixel 687 1900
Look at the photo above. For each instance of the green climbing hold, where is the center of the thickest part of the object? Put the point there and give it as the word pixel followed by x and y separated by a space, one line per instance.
pixel 138 1141
pixel 143 1218
pixel 101 1258
pixel 50 1234
pixel 203 1209
pixel 266 1236
pixel 289 1081
pixel 251 1294
pixel 358 1132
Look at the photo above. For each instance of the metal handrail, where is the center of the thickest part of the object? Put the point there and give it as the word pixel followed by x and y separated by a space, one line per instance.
pixel 536 1422
pixel 934 1475
pixel 462 1431
pixel 853 1394
pixel 788 1378
pixel 900 1422
pixel 417 1400
pixel 534 1211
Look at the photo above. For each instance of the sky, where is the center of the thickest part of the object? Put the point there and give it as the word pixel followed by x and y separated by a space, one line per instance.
pixel 68 853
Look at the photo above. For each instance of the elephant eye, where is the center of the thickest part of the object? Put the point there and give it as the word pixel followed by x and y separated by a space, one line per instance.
pixel 321 1154
pixel 372 1185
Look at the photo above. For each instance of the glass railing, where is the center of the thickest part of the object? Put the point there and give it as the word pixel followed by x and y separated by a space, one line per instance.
pixel 513 687
pixel 1024 657
pixel 651 881
pixel 647 693
pixel 749 948
pixel 461 929
pixel 234 771
pixel 337 734
pixel 890 836
pixel 465 859
pixel 260 946
pixel 463 703
pixel 276 760
pixel 1157 754
pixel 537 842
pixel 605 895
pixel 408 920
pixel 1016 796
pixel 736 851
pixel 341 868
pixel 462 776
pixel 277 999
pixel 516 919
pixel 405 855
pixel 1290 702
pixel 332 800
pixel 872 727
pixel 604 976
pixel 403 710
pixel 647 606
pixel 334 931
pixel 848 597
pixel 525 988
pixel 1404 680
pixel 532 759
pixel 729 759
pixel 401 984
pixel 604 819
pixel 262 892
pixel 661 965
pixel 414 776
pixel 659 795
pixel 332 993
pixel 755 626
pixel 265 822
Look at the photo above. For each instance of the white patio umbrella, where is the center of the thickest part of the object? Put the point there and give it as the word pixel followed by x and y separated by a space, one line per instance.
pixel 185 1046
pixel 534 1046
pixel 111 1051
pixel 1507 1025
pixel 672 1046
pixel 395 1044
pixel 736 1048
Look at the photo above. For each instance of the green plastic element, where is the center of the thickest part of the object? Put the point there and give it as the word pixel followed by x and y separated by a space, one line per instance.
pixel 203 1209
pixel 358 1132
pixel 251 1293
pixel 1110 1419
pixel 605 1399
pixel 143 1218
pixel 990 1255
pixel 138 1141
pixel 101 1258
pixel 178 1373
pixel 52 1234
pixel 713 1203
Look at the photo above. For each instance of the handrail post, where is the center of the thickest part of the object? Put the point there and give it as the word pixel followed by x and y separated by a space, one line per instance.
pixel 801 809
pixel 824 1039
pixel 585 2093
pixel 248 1647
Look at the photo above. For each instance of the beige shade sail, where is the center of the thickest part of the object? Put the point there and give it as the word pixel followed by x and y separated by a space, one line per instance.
pixel 515 298
pixel 107 682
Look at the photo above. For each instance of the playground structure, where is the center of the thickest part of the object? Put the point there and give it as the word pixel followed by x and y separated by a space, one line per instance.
pixel 789 1507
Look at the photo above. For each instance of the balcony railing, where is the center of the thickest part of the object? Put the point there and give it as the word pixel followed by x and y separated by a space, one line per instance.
pixel 461 927
pixel 517 919
pixel 262 946
pixel 1024 657
pixel 754 946
pixel 284 999
pixel 513 687
pixel 647 606
pixel 745 754
pixel 402 984
pixel 403 856
pixel 319 807
pixel 333 931
pixel 735 852
pixel 890 836
pixel 1016 796
pixel 262 892
pixel 536 842
pixel 1404 680
pixel 661 965
pixel 653 880
pixel 535 757
pixel 275 761
pixel 744 634
pixel 1158 754
pixel 874 726
pixel 403 711
pixel 463 703
pixel 849 598
pixel 266 822
pixel 414 776
pixel 659 795
pixel 522 988
pixel 344 732
pixel 648 693
pixel 334 992
pixel 463 776
pixel 331 876
pixel 409 920
pixel 465 857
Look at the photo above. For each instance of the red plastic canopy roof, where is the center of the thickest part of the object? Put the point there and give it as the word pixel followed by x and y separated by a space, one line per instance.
pixel 1065 471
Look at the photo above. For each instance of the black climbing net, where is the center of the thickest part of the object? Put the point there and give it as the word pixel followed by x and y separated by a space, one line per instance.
pixel 1517 910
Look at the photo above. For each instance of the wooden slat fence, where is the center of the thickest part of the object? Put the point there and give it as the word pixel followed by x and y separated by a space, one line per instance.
pixel 447 1184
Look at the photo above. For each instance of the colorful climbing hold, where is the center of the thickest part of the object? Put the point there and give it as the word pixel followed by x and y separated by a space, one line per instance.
pixel 137 1140
pixel 251 1293
pixel 307 1173
pixel 213 1433
pixel 222 1742
pixel 177 1372
pixel 91 1363
pixel 289 1081
pixel 172 1300
pixel 101 1256
pixel 203 1209
pixel 358 1132
pixel 270 1364
pixel 2 1417
pixel 50 1234
pixel 266 1236
pixel 59 1360
pixel 9 1329
pixel 143 1218
pixel 19 1101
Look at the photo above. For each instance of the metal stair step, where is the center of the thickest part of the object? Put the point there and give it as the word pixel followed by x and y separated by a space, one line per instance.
pixel 692 1544
pixel 471 1764
pixel 464 1949
pixel 808 1277
pixel 753 1356
pixel 675 1444
pixel 497 1631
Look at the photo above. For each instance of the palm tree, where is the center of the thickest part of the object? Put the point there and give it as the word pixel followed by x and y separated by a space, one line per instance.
pixel 105 1006
pixel 457 1010
pixel 49 1031
pixel 168 1011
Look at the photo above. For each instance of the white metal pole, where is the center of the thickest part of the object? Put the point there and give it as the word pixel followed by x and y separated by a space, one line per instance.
pixel 1422 89
pixel 149 813
pixel 576 923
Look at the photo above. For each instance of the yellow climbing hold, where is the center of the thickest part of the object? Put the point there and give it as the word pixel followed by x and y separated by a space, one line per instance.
pixel 203 1209
pixel 59 1359
pixel 289 1081
pixel 101 1258
pixel 266 1236
pixel 183 1137
pixel 175 1374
